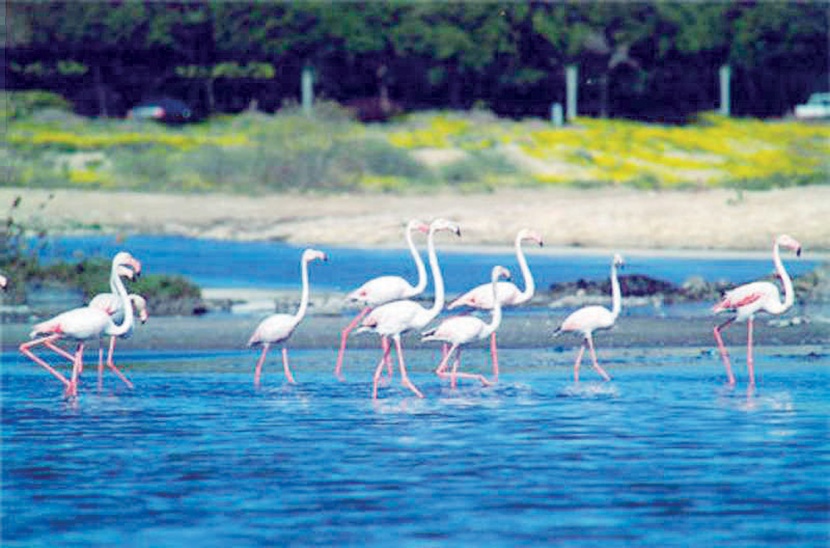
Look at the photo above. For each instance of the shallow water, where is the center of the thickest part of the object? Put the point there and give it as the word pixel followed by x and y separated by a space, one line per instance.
pixel 275 264
pixel 665 454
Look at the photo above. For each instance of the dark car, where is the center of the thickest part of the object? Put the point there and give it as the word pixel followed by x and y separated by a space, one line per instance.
pixel 171 111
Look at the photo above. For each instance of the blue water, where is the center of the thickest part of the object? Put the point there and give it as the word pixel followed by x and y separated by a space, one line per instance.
pixel 664 455
pixel 215 263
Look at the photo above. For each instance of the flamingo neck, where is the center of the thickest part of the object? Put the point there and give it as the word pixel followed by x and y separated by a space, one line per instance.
pixel 616 295
pixel 495 315
pixel 419 264
pixel 304 298
pixel 438 305
pixel 120 291
pixel 789 294
pixel 530 286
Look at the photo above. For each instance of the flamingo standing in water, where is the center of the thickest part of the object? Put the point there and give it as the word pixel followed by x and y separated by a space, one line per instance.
pixel 588 319
pixel 747 300
pixel 462 330
pixel 395 318
pixel 509 294
pixel 384 289
pixel 111 304
pixel 83 324
pixel 277 328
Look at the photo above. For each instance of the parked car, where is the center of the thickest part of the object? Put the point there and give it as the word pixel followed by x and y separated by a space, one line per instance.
pixel 816 107
pixel 171 111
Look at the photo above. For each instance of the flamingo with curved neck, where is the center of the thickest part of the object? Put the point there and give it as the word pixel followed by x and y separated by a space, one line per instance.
pixel 384 289
pixel 481 297
pixel 747 300
pixel 395 318
pixel 82 324
pixel 588 319
pixel 462 330
pixel 277 328
pixel 111 304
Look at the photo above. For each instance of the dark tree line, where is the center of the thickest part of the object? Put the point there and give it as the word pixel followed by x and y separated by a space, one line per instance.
pixel 646 60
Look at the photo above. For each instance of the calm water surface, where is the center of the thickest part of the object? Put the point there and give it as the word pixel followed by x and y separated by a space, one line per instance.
pixel 663 455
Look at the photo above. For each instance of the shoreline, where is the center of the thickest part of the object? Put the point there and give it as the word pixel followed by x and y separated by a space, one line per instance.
pixel 575 220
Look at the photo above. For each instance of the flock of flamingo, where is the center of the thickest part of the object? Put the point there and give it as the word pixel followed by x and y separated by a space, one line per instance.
pixel 389 311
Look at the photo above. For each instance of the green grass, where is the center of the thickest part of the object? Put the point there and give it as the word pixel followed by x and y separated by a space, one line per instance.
pixel 255 153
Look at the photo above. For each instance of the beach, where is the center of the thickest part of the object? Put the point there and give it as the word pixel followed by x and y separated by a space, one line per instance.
pixel 607 217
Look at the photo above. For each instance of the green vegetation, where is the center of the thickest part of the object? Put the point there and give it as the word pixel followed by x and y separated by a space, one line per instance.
pixel 19 248
pixel 256 153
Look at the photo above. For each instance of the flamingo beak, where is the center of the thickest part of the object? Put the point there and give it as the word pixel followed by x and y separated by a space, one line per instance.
pixel 136 265
pixel 798 251
pixel 143 316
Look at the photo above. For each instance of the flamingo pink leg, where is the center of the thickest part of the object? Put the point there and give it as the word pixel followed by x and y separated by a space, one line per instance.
pixel 749 359
pixel 441 370
pixel 260 361
pixel 72 389
pixel 578 361
pixel 288 374
pixel 384 342
pixel 494 352
pixel 25 350
pixel 723 353
pixel 344 335
pixel 599 369
pixel 404 377
pixel 111 364
pixel 101 367
pixel 455 374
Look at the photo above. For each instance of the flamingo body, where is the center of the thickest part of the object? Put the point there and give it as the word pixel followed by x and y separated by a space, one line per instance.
pixel 277 328
pixel 481 297
pixel 747 300
pixel 395 318
pixel 458 330
pixel 592 318
pixel 274 329
pixel 384 289
pixel 79 324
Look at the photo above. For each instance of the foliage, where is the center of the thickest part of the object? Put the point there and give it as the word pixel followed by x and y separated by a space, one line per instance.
pixel 23 103
pixel 19 248
pixel 648 60
pixel 255 152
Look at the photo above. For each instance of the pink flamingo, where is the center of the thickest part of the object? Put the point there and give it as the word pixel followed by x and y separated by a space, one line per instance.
pixel 82 324
pixel 384 289
pixel 277 328
pixel 395 318
pixel 588 319
pixel 462 330
pixel 481 297
pixel 111 304
pixel 747 300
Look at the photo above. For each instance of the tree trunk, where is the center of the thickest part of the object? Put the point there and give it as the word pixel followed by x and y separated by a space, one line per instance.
pixel 101 91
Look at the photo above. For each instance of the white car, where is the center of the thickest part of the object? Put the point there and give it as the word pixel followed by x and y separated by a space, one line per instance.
pixel 816 107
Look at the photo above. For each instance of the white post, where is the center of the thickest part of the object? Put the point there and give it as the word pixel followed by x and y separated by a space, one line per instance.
pixel 725 80
pixel 571 72
pixel 307 90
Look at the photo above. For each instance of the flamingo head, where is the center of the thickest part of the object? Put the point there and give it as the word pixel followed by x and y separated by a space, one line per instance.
pixel 4 282
pixel 140 306
pixel 123 262
pixel 418 225
pixel 313 255
pixel 790 243
pixel 528 234
pixel 443 224
pixel 618 260
pixel 500 272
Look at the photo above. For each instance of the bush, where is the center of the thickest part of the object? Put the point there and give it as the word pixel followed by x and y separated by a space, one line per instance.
pixel 19 104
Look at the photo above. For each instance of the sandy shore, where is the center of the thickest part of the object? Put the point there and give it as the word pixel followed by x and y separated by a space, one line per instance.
pixel 620 218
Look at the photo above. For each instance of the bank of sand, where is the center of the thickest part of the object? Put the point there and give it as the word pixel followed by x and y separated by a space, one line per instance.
pixel 618 218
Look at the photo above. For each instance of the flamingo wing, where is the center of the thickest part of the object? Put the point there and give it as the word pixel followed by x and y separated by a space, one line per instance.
pixel 588 319
pixel 745 296
pixel 273 329
pixel 393 318
pixel 79 323
pixel 481 297
pixel 384 289
pixel 456 330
